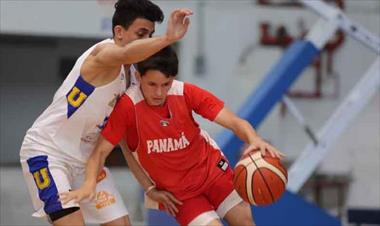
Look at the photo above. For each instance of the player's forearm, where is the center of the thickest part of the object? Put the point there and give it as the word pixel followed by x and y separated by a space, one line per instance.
pixel 137 171
pixel 92 168
pixel 97 159
pixel 141 49
pixel 245 131
pixel 240 127
pixel 136 51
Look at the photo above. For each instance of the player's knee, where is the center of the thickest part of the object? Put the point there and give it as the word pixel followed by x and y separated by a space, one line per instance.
pixel 240 215
pixel 247 221
pixel 62 213
pixel 246 216
pixel 243 220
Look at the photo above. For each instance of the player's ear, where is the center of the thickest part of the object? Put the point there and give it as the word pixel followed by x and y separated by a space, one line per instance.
pixel 118 30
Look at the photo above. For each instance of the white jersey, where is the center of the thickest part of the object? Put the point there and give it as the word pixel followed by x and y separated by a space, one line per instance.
pixel 71 124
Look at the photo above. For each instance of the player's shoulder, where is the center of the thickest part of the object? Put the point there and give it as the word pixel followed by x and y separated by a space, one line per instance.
pixel 190 87
pixel 124 101
pixel 101 46
pixel 176 88
pixel 90 56
pixel 124 107
pixel 134 94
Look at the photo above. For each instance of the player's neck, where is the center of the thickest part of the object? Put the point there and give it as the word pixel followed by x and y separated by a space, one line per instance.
pixel 117 41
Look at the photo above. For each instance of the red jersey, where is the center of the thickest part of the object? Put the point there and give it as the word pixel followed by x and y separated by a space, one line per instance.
pixel 174 151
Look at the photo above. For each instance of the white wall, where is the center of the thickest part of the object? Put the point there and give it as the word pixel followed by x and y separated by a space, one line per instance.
pixel 56 18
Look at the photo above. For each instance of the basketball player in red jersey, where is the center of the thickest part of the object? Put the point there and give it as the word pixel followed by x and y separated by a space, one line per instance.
pixel 155 118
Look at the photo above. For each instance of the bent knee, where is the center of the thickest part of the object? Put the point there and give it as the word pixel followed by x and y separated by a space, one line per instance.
pixel 240 215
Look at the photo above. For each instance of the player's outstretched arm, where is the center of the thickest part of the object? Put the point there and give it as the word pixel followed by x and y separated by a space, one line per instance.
pixel 245 132
pixel 93 166
pixel 138 50
pixel 164 197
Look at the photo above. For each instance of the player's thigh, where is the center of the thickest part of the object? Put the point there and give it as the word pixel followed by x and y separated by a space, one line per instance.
pixel 222 194
pixel 72 218
pixel 45 179
pixel 229 205
pixel 209 218
pixel 240 214
pixel 196 211
pixel 108 206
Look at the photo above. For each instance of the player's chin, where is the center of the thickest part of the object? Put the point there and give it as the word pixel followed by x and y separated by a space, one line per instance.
pixel 157 102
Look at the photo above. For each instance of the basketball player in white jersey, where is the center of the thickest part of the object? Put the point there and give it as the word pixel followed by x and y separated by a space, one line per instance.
pixel 55 149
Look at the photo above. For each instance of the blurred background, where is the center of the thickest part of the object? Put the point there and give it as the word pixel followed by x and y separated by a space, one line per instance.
pixel 229 49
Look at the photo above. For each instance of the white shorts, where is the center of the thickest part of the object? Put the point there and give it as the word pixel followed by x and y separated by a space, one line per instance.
pixel 46 177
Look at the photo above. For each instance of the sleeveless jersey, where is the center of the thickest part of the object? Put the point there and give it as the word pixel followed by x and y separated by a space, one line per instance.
pixel 174 151
pixel 70 125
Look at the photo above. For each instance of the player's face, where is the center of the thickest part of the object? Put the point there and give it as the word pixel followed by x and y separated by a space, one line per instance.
pixel 155 87
pixel 139 29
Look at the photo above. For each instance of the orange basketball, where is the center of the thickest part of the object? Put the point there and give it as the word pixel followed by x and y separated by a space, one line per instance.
pixel 260 180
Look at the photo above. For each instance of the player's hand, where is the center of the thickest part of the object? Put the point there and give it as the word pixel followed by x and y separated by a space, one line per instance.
pixel 178 24
pixel 85 192
pixel 166 199
pixel 264 147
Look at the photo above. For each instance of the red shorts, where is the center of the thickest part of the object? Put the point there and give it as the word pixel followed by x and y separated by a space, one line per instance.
pixel 213 203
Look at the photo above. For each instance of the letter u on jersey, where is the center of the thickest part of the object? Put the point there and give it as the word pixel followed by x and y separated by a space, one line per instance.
pixel 78 95
pixel 38 167
pixel 41 178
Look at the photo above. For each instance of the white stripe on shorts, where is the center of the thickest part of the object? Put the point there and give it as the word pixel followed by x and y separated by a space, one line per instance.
pixel 228 203
pixel 204 218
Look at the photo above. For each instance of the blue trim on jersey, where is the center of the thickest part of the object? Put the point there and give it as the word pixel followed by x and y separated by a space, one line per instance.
pixel 47 190
pixel 78 95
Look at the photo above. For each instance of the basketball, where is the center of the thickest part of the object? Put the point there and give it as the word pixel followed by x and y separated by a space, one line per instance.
pixel 260 180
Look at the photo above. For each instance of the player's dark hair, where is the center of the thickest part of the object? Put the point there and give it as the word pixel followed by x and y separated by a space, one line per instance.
pixel 165 61
pixel 127 11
